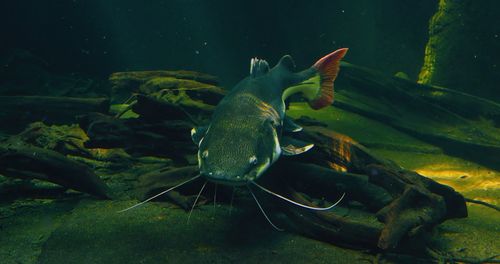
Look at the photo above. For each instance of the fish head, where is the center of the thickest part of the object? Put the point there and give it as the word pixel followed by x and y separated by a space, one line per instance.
pixel 237 152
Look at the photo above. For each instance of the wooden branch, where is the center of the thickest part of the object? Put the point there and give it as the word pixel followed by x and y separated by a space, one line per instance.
pixel 360 232
pixel 166 138
pixel 395 181
pixel 337 151
pixel 329 183
pixel 492 206
pixel 25 161
pixel 406 202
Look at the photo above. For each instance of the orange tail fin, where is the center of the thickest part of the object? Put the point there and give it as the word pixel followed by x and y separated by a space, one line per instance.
pixel 328 68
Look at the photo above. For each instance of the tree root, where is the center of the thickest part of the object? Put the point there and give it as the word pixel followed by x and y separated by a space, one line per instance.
pixel 483 203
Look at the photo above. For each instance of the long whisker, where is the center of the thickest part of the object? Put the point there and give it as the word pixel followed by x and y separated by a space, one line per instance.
pixel 262 210
pixel 231 203
pixel 160 194
pixel 196 200
pixel 299 204
pixel 215 194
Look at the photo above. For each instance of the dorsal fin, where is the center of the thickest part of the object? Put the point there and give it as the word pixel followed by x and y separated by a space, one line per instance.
pixel 258 67
pixel 286 62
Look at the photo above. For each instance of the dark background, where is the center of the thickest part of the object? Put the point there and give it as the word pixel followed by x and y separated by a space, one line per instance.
pixel 218 37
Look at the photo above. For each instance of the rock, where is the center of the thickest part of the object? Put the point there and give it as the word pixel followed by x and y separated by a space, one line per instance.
pixel 123 84
pixel 184 93
pixel 65 139
pixel 462 51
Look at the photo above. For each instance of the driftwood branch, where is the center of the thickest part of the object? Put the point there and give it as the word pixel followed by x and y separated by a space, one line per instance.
pixel 29 162
pixel 406 203
pixel 483 203
pixel 168 138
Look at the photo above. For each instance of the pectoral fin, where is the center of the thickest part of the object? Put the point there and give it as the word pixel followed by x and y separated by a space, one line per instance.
pixel 197 134
pixel 290 146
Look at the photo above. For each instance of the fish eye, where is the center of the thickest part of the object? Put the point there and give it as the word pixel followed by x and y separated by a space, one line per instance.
pixel 253 160
pixel 204 154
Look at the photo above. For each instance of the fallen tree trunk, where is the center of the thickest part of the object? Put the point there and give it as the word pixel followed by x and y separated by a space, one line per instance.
pixel 387 205
pixel 168 138
pixel 407 203
pixel 29 162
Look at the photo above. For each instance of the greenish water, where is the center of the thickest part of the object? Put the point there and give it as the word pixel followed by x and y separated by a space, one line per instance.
pixel 417 90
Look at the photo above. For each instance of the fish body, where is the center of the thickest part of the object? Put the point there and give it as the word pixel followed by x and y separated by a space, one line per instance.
pixel 244 137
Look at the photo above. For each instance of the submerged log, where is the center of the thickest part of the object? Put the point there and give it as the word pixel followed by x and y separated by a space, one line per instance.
pixel 152 109
pixel 405 202
pixel 162 99
pixel 357 230
pixel 64 139
pixel 168 138
pixel 404 207
pixel 29 162
pixel 186 93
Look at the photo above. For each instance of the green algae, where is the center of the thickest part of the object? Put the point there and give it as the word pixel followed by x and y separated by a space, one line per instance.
pixel 123 110
pixel 364 130
pixel 459 53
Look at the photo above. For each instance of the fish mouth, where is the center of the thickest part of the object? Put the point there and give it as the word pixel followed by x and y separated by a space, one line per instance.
pixel 227 182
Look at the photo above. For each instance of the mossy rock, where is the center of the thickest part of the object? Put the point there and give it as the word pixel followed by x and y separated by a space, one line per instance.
pixel 123 84
pixel 462 51
pixel 65 139
pixel 185 93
